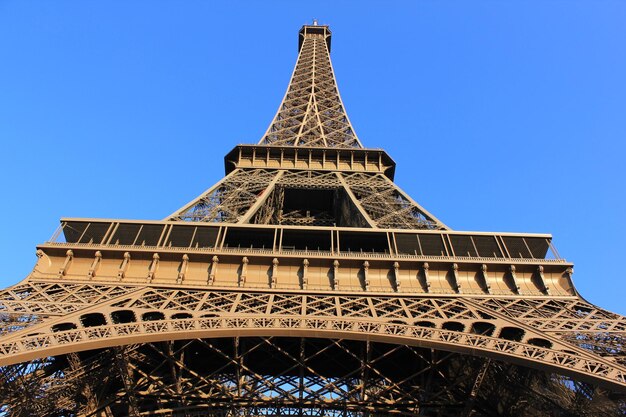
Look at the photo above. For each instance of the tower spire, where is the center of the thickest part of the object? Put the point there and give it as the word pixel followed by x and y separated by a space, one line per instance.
pixel 312 113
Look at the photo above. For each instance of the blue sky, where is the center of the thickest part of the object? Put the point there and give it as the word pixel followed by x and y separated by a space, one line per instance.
pixel 502 116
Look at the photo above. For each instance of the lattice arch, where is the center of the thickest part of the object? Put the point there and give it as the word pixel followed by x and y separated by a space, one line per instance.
pixel 452 324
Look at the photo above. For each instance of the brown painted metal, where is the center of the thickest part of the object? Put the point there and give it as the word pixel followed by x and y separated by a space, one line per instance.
pixel 311 113
pixel 304 282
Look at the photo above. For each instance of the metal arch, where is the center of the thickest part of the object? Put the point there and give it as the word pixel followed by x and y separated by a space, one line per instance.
pixel 371 317
pixel 563 362
pixel 353 379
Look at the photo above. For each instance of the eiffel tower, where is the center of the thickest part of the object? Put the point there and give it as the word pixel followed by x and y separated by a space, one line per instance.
pixel 307 283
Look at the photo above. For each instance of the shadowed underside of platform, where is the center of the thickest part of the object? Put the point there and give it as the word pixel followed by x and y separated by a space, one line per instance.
pixel 291 376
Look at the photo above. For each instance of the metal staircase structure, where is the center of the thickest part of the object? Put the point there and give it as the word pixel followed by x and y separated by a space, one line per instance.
pixel 307 283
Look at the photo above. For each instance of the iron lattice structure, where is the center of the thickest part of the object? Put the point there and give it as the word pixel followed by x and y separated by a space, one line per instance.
pixel 305 282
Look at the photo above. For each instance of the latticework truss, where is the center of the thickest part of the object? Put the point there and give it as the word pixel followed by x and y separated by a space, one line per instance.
pixel 229 199
pixel 297 376
pixel 304 283
pixel 258 196
pixel 312 113
pixel 343 354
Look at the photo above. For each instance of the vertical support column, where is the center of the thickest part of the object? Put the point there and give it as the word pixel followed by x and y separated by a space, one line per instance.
pixel 165 234
pixel 111 233
pixel 301 371
pixel 514 278
pixel 121 273
pixel 426 282
pixel 183 269
pixel 127 380
pixel 305 267
pixel 483 270
pixel 542 281
pixel 468 411
pixel 86 389
pixel 239 361
pixel 214 261
pixel 153 267
pixel 176 375
pixel 274 279
pixel 396 276
pixel 366 281
pixel 569 272
pixel 40 254
pixel 94 265
pixel 244 272
pixel 455 276
pixel 335 275
pixel 58 231
pixel 69 255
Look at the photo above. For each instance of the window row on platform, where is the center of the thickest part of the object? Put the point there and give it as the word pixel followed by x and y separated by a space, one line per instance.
pixel 280 239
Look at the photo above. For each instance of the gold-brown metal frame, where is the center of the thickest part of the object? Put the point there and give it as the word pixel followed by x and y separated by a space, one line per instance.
pixel 117 315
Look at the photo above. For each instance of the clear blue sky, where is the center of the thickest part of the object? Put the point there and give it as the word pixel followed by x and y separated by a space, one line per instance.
pixel 502 116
